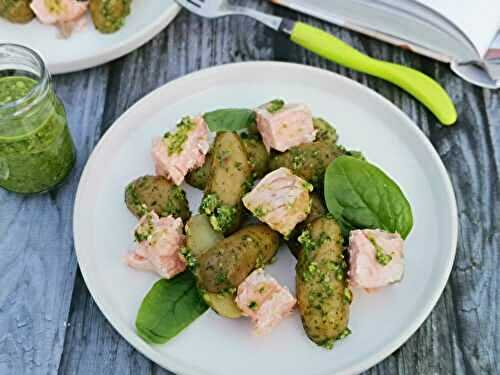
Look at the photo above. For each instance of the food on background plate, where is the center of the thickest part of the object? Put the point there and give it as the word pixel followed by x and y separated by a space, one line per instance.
pixel 68 15
pixel 177 153
pixel 264 300
pixel 348 232
pixel 159 244
pixel 109 15
pixel 17 11
pixel 283 126
pixel 280 199
pixel 158 194
pixel 376 258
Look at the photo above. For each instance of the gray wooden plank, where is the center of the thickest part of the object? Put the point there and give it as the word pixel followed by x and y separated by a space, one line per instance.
pixel 37 266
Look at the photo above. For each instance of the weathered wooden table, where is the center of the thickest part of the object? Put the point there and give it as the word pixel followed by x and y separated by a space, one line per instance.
pixel 49 323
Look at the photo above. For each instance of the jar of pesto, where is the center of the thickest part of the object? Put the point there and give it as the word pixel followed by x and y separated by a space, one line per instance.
pixel 36 148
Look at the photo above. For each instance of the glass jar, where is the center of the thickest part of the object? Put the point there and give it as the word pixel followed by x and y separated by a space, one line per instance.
pixel 36 148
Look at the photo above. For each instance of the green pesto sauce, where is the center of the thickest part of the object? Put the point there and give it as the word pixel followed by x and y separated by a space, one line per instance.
pixel 175 141
pixel 36 149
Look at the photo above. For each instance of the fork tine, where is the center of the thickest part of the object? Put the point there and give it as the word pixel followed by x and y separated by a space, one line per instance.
pixel 194 3
pixel 192 6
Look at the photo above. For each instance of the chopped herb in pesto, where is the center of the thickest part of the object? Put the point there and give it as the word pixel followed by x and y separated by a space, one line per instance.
pixel 259 212
pixel 145 230
pixel 327 344
pixel 346 332
pixel 209 203
pixel 221 216
pixel 380 255
pixel 220 278
pixel 175 141
pixel 253 305
pixel 307 242
pixel 275 105
pixel 347 295
pixel 190 259
pixel 309 187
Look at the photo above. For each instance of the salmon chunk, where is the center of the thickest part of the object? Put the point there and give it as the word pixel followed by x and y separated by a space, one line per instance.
pixel 264 300
pixel 175 154
pixel 284 127
pixel 376 258
pixel 280 199
pixel 55 11
pixel 160 241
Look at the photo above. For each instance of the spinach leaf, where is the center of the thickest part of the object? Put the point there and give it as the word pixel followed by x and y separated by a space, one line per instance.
pixel 231 119
pixel 360 195
pixel 168 308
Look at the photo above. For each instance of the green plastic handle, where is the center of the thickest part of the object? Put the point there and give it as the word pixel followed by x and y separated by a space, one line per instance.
pixel 421 86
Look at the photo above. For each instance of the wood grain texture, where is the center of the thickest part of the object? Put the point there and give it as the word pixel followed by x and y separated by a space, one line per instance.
pixel 37 266
pixel 39 292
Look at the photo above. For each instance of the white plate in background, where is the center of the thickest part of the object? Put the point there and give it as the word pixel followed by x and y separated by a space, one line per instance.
pixel 381 322
pixel 90 48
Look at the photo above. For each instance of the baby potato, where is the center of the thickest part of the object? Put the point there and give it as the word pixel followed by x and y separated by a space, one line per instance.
pixel 225 265
pixel 109 15
pixel 223 304
pixel 230 173
pixel 17 11
pixel 156 193
pixel 326 132
pixel 257 155
pixel 258 158
pixel 322 292
pixel 318 209
pixel 200 236
pixel 198 177
pixel 308 161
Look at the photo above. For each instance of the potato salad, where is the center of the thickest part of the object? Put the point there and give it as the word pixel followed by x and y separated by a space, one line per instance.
pixel 270 175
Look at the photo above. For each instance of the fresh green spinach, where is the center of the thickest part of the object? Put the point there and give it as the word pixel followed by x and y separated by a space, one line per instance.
pixel 168 308
pixel 230 119
pixel 359 195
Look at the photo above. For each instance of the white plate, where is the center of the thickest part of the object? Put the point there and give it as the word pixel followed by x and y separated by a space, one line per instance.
pixel 90 48
pixel 380 322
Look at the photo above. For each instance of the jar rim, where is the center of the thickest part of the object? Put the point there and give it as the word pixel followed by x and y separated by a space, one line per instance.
pixel 38 89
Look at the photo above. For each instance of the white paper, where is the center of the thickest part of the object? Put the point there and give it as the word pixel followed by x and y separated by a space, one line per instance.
pixel 478 19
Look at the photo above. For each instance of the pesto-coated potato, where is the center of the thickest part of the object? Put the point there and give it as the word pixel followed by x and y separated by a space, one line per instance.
pixel 109 15
pixel 326 132
pixel 156 193
pixel 230 174
pixel 322 292
pixel 224 266
pixel 257 155
pixel 198 177
pixel 200 236
pixel 308 161
pixel 318 209
pixel 17 11
pixel 223 304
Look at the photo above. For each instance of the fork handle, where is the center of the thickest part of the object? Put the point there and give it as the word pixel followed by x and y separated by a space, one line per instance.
pixel 421 86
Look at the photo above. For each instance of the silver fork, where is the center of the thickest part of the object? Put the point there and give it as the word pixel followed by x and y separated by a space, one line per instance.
pixel 421 86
